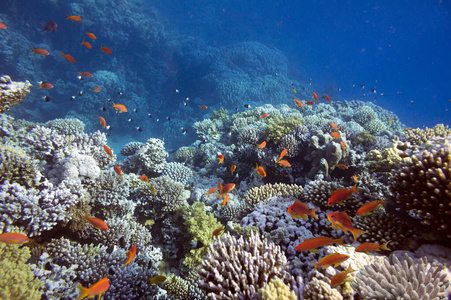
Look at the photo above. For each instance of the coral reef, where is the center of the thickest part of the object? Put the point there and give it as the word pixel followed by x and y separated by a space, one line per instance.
pixel 419 136
pixel 66 126
pixel 276 289
pixel 177 172
pixel 17 166
pixel 185 154
pixel 278 127
pixel 406 280
pixel 150 159
pixel 12 92
pixel 131 148
pixel 261 193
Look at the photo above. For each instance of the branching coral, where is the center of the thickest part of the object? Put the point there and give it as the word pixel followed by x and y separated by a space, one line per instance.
pixel 402 280
pixel 66 126
pixel 149 159
pixel 17 166
pixel 420 136
pixel 12 92
pixel 131 148
pixel 278 127
pixel 261 193
pixel 177 172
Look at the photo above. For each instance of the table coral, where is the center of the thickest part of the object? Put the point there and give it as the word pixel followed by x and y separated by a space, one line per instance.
pixel 12 92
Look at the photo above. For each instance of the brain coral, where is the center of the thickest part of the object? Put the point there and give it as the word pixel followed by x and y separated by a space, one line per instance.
pixel 407 280
pixel 236 268
pixel 422 185
pixel 12 93
pixel 17 166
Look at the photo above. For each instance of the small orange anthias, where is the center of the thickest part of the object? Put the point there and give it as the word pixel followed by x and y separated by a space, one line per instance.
pixel 97 223
pixel 338 196
pixel 130 255
pixel 300 210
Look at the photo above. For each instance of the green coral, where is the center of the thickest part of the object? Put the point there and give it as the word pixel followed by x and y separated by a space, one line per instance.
pixel 278 127
pixel 220 114
pixel 17 279
pixel 365 138
pixel 200 225
pixel 17 166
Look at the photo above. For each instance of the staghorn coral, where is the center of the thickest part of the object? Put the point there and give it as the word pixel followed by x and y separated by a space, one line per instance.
pixel 177 172
pixel 261 193
pixel 66 126
pixel 236 268
pixel 393 279
pixel 278 127
pixel 170 196
pixel 185 154
pixel 17 281
pixel 33 210
pixel 12 92
pixel 200 225
pixel 422 185
pixel 276 289
pixel 17 166
pixel 149 159
pixel 420 136
pixel 131 148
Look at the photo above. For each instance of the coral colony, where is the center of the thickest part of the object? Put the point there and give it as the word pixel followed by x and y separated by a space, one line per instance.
pixel 279 199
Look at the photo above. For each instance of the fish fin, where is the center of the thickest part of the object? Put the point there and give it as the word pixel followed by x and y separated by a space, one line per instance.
pixel 83 292
pixel 339 241
pixel 354 189
pixel 384 246
pixel 314 250
pixel 356 233
pixel 312 213
pixel 315 264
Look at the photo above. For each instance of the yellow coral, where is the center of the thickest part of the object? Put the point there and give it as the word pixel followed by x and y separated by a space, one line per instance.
pixel 261 193
pixel 276 289
pixel 12 93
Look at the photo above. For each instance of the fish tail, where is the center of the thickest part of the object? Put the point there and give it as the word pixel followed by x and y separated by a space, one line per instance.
pixel 312 213
pixel 356 233
pixel 68 17
pixel 83 292
pixel 339 241
pixel 315 264
pixel 354 189
pixel 384 246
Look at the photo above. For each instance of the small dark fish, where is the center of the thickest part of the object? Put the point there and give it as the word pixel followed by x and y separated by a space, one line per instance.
pixel 247 106
pixel 135 110
pixel 109 100
pixel 263 83
pixel 51 26
pixel 310 79
pixel 339 89
pixel 362 86
pixel 276 74
pixel 168 118
pixel 103 108
pixel 72 98
pixel 158 120
pixel 46 98
pixel 399 93
pixel 377 81
pixel 80 93
pixel 373 90
pixel 447 110
pixel 119 93
pixel 292 83
pixel 130 120
pixel 176 91
pixel 80 77
pixel 185 104
pixel 412 102
pixel 150 116
pixel 107 134
pixel 236 108
pixel 139 129
pixel 187 99
pixel 382 94
pixel 184 130
pixel 108 127
pixel 353 85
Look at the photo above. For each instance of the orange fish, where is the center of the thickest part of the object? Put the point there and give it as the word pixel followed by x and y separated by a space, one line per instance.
pixel 338 279
pixel 13 238
pixel 97 288
pixel 102 122
pixel 360 107
pixel 45 85
pixel 86 74
pixel 342 221
pixel 118 170
pixel 342 167
pixel 2 26
pixel 211 191
pixel 327 98
pixel 40 51
pixel 367 208
pixel 310 102
pixel 144 178
pixel 282 154
pixel 220 158
pixel 97 223
pixel 108 150
pixel 74 18
pixel 91 35
pixel 335 135
pixel 284 163
pixel 315 96
pixel 227 188
pixel 225 201
pixel 320 241
pixel 264 116
pixel 343 145
pixel 232 169
pixel 334 126
pixel 120 107
pixel 298 102
pixel 300 210
pixel 261 172
pixel 332 259
pixel 367 247
pixel 216 232
pixel 106 50
pixel 338 196
pixel 219 186
pixel 354 178
pixel 262 145
pixel 97 89
pixel 130 255
pixel 68 57
pixel 203 107
pixel 86 44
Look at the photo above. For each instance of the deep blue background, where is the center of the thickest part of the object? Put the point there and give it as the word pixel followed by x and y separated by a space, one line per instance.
pixel 405 45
